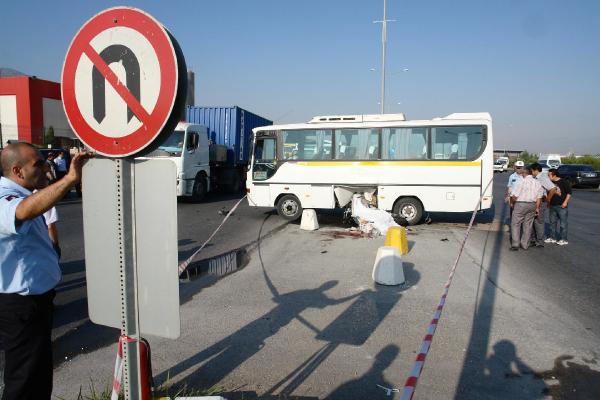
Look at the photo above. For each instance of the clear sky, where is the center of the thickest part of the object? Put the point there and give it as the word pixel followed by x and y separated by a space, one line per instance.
pixel 533 64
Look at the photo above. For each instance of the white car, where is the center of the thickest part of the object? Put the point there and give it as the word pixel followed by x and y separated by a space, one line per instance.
pixel 501 165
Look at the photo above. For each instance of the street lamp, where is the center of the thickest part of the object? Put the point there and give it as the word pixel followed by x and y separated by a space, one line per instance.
pixel 383 88
pixel 383 43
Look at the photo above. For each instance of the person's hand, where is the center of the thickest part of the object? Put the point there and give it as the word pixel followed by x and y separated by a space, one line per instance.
pixel 563 205
pixel 74 174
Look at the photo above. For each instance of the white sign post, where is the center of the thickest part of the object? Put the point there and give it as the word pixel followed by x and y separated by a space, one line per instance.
pixel 123 88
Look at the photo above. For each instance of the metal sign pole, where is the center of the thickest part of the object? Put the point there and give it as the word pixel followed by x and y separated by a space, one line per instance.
pixel 128 277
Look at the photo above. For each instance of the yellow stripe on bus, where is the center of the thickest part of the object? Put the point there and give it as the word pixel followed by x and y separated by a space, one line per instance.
pixel 390 163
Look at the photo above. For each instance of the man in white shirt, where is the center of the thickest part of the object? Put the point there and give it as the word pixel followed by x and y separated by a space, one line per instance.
pixel 61 165
pixel 513 180
pixel 526 199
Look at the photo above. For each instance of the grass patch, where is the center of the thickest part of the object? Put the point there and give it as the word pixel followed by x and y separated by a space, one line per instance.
pixel 167 389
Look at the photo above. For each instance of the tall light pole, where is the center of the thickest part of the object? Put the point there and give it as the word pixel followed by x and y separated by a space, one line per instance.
pixel 383 44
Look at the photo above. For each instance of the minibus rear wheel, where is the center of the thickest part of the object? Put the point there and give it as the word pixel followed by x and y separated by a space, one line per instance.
pixel 409 208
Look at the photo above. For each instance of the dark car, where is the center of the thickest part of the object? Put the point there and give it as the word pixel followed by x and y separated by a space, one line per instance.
pixel 579 174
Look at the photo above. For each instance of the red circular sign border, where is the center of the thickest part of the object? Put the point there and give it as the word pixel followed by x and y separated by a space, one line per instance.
pixel 153 31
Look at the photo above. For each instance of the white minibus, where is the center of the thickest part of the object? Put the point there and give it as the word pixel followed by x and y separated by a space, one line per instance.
pixel 407 167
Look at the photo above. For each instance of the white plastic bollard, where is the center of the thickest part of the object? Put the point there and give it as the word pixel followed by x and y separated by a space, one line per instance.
pixel 388 268
pixel 309 220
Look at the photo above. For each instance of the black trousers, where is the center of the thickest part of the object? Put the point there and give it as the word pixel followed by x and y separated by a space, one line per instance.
pixel 25 329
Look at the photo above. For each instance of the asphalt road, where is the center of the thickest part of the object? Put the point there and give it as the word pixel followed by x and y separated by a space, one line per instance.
pixel 531 310
pixel 73 332
pixel 554 291
pixel 569 274
pixel 303 319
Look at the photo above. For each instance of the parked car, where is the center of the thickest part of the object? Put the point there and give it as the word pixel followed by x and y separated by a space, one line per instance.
pixel 501 164
pixel 579 174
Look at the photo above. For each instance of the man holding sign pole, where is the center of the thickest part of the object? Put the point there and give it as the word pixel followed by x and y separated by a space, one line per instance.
pixel 29 268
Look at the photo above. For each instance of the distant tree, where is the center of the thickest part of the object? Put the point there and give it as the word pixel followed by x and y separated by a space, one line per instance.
pixel 587 159
pixel 527 157
pixel 49 136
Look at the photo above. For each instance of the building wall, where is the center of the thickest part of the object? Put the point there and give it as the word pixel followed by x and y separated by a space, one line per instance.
pixel 8 118
pixel 37 106
pixel 54 116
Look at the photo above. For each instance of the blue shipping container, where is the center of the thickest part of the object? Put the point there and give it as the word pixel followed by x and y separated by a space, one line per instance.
pixel 228 126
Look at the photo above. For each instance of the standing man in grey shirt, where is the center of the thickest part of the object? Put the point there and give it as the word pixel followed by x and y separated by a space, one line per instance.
pixel 539 223
pixel 526 199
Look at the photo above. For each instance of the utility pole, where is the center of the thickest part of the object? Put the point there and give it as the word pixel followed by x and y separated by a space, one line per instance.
pixel 383 45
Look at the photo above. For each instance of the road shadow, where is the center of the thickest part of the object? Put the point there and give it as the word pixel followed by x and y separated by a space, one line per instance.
pixel 372 385
pixel 252 395
pixel 76 310
pixel 203 273
pixel 483 217
pixel 353 326
pixel 212 197
pixel 503 374
pixel 84 339
pixel 72 267
pixel 183 255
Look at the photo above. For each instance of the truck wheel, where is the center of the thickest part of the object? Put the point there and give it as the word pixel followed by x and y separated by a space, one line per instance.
pixel 289 207
pixel 199 189
pixel 410 209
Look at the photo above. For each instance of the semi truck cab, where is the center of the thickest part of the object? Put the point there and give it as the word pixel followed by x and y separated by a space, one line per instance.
pixel 188 147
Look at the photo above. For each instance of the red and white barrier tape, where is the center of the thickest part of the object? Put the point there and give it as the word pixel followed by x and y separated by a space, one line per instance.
pixel 415 373
pixel 184 264
pixel 118 373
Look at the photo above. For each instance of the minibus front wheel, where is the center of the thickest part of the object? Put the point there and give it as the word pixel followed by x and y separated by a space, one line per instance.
pixel 289 207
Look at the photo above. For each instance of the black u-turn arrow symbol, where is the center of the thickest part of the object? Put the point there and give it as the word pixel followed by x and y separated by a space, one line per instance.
pixel 115 53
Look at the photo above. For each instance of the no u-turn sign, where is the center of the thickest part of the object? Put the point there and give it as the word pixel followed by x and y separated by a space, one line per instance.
pixel 123 82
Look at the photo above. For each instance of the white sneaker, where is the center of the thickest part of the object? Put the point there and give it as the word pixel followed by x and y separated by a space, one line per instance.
pixel 550 240
pixel 562 242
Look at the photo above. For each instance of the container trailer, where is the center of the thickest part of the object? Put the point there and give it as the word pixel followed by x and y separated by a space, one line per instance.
pixel 211 149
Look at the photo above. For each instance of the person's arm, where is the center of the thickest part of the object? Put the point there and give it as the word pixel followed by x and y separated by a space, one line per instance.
pixel 53 233
pixel 514 195
pixel 550 194
pixel 538 204
pixel 507 193
pixel 44 199
pixel 565 203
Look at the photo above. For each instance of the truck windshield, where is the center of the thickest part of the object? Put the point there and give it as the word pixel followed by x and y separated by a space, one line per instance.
pixel 174 143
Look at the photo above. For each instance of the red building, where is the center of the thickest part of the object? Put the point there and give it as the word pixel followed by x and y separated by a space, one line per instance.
pixel 31 110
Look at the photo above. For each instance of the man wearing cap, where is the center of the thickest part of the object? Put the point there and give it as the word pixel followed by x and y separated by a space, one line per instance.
pixel 526 199
pixel 30 269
